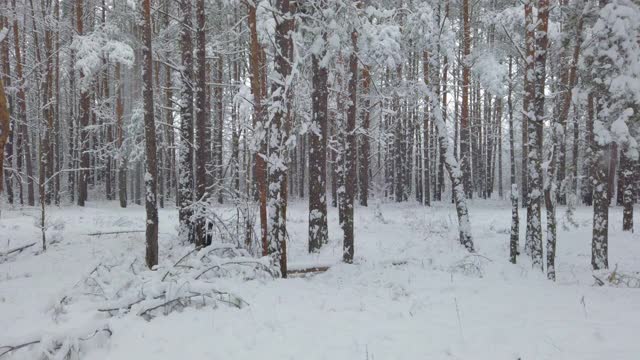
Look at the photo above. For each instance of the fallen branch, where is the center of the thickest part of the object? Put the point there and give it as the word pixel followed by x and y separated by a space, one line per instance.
pixel 309 270
pixel 254 263
pixel 6 349
pixel 115 232
pixel 10 348
pixel 18 249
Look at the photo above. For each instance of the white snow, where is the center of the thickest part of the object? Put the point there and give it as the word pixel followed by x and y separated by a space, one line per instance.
pixel 413 292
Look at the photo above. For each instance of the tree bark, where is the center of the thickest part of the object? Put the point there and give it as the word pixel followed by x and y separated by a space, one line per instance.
pixel 201 125
pixel 515 218
pixel 318 231
pixel 257 89
pixel 278 135
pixel 465 135
pixel 350 153
pixel 185 162
pixel 85 113
pixel 150 178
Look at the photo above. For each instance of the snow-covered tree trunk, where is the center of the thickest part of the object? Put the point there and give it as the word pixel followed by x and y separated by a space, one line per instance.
pixel 185 161
pixel 201 140
pixel 535 122
pixel 318 232
pixel 218 149
pixel 628 156
pixel 465 131
pixel 426 136
pixel 455 173
pixel 515 218
pixel 4 128
pixel 150 177
pixel 278 136
pixel 350 153
pixel 85 113
pixel 364 148
pixel 258 87
pixel 122 156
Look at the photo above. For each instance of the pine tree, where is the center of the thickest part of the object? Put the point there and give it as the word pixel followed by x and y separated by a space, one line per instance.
pixel 318 232
pixel 185 162
pixel 151 176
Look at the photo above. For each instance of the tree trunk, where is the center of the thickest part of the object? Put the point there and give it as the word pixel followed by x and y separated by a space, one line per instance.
pixel 465 135
pixel 278 136
pixel 534 224
pixel 257 89
pixel 318 232
pixel 185 162
pixel 201 125
pixel 363 165
pixel 150 178
pixel 85 113
pixel 122 157
pixel 453 168
pixel 5 128
pixel 350 153
pixel 515 218
pixel 626 164
pixel 426 137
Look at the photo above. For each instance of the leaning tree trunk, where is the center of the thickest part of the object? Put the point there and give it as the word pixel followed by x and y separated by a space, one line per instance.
pixel 150 178
pixel 456 175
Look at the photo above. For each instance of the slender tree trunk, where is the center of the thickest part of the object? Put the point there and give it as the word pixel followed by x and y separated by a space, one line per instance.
pixel 465 135
pixel 257 89
pixel 318 232
pixel 350 153
pixel 185 153
pixel 85 113
pixel 150 178
pixel 426 137
pixel 453 168
pixel 6 145
pixel 122 156
pixel 201 124
pixel 5 128
pixel 363 168
pixel 626 164
pixel 219 126
pixel 515 218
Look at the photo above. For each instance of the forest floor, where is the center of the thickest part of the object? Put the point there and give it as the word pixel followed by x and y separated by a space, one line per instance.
pixel 412 292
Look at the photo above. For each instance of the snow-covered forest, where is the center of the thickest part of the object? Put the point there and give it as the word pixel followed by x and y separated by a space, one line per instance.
pixel 319 179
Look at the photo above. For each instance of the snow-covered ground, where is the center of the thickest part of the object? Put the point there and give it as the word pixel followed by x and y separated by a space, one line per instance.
pixel 413 292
